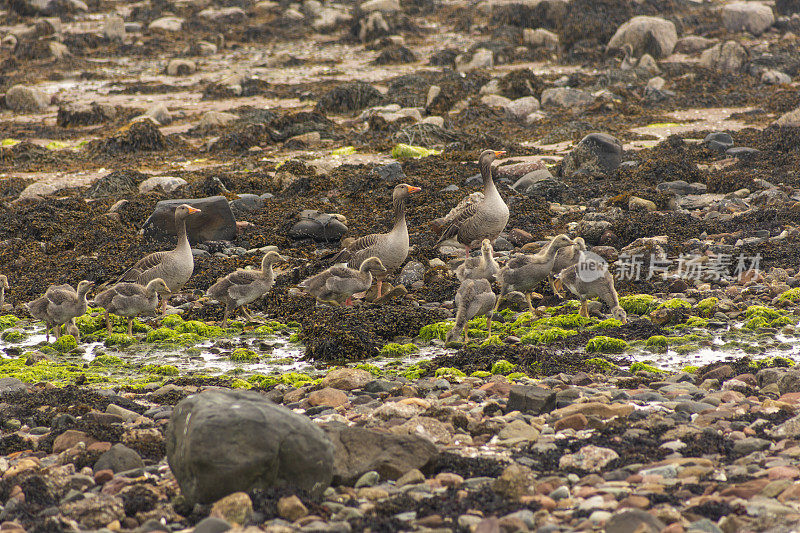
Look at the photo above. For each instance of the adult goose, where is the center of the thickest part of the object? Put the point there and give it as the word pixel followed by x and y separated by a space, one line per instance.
pixel 131 300
pixel 60 304
pixel 480 220
pixel 337 284
pixel 391 248
pixel 175 266
pixel 242 287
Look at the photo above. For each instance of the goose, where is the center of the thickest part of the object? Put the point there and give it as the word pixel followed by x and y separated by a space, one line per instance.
pixel 482 267
pixel 339 283
pixel 473 298
pixel 72 329
pixel 524 272
pixel 3 288
pixel 59 305
pixel 600 284
pixel 242 287
pixel 566 257
pixel 391 248
pixel 485 219
pixel 131 300
pixel 175 267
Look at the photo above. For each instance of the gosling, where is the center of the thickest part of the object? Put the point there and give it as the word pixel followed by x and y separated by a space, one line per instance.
pixel 242 287
pixel 473 298
pixel 599 285
pixel 336 285
pixel 60 304
pixel 482 267
pixel 565 258
pixel 524 272
pixel 131 300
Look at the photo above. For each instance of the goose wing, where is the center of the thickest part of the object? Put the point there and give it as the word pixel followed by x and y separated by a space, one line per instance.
pixel 139 272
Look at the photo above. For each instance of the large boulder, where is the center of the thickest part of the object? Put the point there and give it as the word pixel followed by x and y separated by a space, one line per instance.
pixel 597 154
pixel 747 16
pixel 730 56
pixel 323 227
pixel 567 97
pixel 215 223
pixel 24 99
pixel 646 35
pixel 221 442
pixel 360 450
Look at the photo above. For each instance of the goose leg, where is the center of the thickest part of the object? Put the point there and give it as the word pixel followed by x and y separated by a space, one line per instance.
pixel 47 331
pixel 584 312
pixel 164 306
pixel 466 336
pixel 130 326
pixel 246 313
pixel 380 288
pixel 466 252
pixel 530 304
pixel 226 315
pixel 58 331
pixel 108 322
pixel 349 301
pixel 555 285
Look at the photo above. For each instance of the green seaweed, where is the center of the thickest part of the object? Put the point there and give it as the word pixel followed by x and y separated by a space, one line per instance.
pixel 706 306
pixel 657 341
pixel 437 330
pixel 603 344
pixel 606 324
pixel 394 349
pixel 447 371
pixel 675 303
pixel 645 367
pixel 8 321
pixel 602 364
pixel 119 339
pixel 791 295
pixel 480 374
pixel 13 335
pixel 638 304
pixel 244 355
pixel 65 344
pixel 504 367
pixel 547 336
pixel 161 370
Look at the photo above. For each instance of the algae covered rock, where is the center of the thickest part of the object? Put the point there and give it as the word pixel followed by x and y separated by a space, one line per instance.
pixel 221 442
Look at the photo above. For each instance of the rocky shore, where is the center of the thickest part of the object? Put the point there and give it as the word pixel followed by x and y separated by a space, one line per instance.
pixel 666 134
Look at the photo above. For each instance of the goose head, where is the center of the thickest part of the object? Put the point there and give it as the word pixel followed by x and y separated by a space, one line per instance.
pixel 560 241
pixel 487 157
pixel 486 247
pixel 183 211
pixel 374 265
pixel 620 314
pixel 3 282
pixel 158 286
pixel 403 190
pixel 84 287
pixel 270 258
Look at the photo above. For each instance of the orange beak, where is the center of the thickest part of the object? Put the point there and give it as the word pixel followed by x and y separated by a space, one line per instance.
pixel 411 188
pixel 193 210
pixel 498 153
